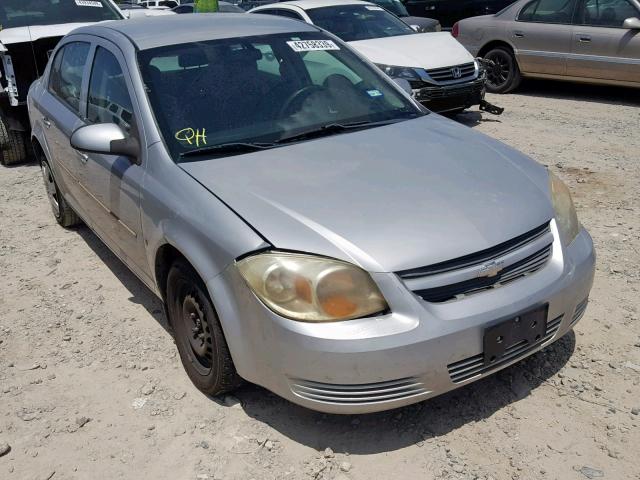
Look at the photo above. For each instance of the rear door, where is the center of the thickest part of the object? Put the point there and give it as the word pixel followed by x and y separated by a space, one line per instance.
pixel 601 47
pixel 60 106
pixel 541 35
pixel 114 181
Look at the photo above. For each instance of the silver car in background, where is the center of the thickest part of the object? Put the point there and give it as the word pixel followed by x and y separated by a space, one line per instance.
pixel 593 41
pixel 309 226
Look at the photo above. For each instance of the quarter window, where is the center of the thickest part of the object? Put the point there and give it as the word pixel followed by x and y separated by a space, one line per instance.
pixel 65 80
pixel 605 13
pixel 547 11
pixel 109 100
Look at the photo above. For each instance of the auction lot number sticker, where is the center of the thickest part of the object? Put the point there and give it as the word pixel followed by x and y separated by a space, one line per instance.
pixel 312 45
pixel 88 3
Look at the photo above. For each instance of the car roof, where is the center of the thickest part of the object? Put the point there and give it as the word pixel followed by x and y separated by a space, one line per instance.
pixel 310 4
pixel 152 32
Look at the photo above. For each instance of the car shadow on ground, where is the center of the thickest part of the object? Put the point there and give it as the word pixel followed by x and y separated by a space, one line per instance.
pixel 140 294
pixel 411 425
pixel 377 432
pixel 611 95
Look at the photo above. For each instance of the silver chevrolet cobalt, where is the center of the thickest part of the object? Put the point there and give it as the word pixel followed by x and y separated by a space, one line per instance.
pixel 309 227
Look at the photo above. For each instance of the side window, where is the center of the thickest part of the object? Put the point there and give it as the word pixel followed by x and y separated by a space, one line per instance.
pixel 109 100
pixel 268 63
pixel 321 65
pixel 289 14
pixel 606 13
pixel 547 11
pixel 65 79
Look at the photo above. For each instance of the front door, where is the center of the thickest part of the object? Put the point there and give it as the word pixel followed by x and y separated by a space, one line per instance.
pixel 602 48
pixel 114 181
pixel 60 106
pixel 541 35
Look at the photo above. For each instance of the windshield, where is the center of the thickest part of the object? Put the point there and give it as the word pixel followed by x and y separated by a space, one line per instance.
pixel 22 13
pixel 358 22
pixel 394 6
pixel 263 89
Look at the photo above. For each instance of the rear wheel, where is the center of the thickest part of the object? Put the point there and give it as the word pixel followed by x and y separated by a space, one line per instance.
pixel 201 343
pixel 504 75
pixel 13 145
pixel 62 212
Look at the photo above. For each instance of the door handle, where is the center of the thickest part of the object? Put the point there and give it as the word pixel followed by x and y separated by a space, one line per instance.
pixel 518 34
pixel 84 158
pixel 584 38
pixel 47 122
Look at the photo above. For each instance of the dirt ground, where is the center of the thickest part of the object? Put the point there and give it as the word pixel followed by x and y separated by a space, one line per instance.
pixel 91 386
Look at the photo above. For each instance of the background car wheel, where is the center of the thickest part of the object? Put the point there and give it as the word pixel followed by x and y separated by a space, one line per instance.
pixel 13 145
pixel 201 343
pixel 504 75
pixel 63 213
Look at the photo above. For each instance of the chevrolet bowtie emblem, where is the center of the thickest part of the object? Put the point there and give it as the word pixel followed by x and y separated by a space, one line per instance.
pixel 491 269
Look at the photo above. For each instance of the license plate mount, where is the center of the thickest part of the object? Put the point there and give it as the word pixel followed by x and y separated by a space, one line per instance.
pixel 528 328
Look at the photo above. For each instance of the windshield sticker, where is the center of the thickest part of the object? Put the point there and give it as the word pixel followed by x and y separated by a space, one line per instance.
pixel 312 45
pixel 371 7
pixel 374 93
pixel 89 3
pixel 191 136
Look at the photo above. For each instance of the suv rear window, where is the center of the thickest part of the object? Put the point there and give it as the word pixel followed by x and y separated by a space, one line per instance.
pixel 20 13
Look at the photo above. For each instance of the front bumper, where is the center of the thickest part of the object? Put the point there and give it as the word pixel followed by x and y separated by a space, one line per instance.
pixel 451 97
pixel 414 353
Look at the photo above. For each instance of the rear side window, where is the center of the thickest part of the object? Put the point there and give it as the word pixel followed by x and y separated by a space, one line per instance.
pixel 605 13
pixel 548 11
pixel 65 79
pixel 109 100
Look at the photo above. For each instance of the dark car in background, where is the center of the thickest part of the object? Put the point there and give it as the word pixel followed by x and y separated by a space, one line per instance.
pixel 448 12
pixel 419 24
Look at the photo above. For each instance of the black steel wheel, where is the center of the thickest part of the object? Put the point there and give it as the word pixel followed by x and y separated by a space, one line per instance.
pixel 503 74
pixel 199 337
pixel 62 212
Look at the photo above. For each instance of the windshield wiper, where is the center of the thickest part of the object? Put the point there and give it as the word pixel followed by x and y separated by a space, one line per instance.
pixel 231 147
pixel 332 128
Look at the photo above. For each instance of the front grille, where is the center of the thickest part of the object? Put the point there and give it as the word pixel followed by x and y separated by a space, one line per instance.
pixel 446 74
pixel 579 311
pixel 473 366
pixel 360 393
pixel 540 238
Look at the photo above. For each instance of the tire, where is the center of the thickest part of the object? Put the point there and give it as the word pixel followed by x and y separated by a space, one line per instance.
pixel 61 210
pixel 198 334
pixel 504 76
pixel 13 145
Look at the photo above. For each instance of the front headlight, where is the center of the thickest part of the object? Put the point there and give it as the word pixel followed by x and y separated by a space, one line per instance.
pixel 407 73
pixel 566 217
pixel 311 289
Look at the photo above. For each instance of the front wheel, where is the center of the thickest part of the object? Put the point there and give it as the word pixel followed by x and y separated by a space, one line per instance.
pixel 503 74
pixel 201 343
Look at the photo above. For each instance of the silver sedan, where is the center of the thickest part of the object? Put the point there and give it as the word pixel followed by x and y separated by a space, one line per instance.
pixel 593 41
pixel 309 226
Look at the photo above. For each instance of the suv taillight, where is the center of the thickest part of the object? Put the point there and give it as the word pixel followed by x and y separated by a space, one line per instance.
pixel 455 30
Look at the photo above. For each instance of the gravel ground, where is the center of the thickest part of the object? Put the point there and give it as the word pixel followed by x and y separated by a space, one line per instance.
pixel 91 386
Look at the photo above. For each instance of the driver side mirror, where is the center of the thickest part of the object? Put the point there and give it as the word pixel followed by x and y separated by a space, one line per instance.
pixel 632 23
pixel 404 84
pixel 106 139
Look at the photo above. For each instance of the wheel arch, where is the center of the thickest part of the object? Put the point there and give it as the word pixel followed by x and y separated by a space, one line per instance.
pixel 496 43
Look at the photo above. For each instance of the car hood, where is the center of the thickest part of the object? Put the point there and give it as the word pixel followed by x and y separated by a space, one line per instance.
pixel 389 198
pixel 420 50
